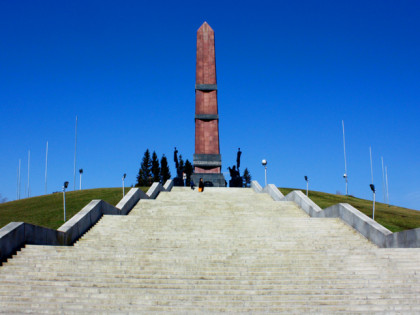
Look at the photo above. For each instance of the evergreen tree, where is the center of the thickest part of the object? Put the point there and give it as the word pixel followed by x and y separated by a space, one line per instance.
pixel 188 169
pixel 143 178
pixel 155 168
pixel 165 174
pixel 181 166
pixel 247 177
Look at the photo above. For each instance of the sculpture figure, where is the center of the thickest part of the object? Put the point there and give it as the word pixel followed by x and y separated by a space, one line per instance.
pixel 176 158
pixel 235 177
pixel 238 158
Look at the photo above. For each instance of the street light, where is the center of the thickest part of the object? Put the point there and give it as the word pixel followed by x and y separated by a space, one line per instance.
pixel 372 187
pixel 123 184
pixel 66 184
pixel 264 163
pixel 345 178
pixel 80 172
pixel 307 185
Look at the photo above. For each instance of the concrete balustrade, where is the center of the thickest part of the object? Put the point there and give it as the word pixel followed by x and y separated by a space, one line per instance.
pixel 256 186
pixel 372 230
pixel 16 234
pixel 274 192
pixel 154 190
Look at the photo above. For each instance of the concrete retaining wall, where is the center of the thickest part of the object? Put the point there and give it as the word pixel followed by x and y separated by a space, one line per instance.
pixel 16 234
pixel 273 191
pixel 372 230
pixel 256 186
pixel 408 238
pixel 154 190
pixel 369 228
pixel 168 185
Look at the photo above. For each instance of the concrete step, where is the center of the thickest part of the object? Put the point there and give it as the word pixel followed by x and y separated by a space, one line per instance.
pixel 224 250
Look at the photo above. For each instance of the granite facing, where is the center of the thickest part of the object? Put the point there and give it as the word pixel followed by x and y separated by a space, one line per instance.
pixel 207 160
pixel 206 61
pixel 216 179
pixel 206 137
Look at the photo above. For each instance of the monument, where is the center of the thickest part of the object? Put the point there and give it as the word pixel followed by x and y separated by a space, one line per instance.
pixel 207 159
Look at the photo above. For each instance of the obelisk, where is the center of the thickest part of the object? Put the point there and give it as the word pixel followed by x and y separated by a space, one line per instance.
pixel 207 159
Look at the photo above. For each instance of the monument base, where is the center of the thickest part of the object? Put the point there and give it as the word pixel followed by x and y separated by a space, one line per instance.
pixel 236 182
pixel 210 179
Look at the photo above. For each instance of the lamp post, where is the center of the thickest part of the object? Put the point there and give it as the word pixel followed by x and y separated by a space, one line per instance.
pixel 264 163
pixel 123 184
pixel 66 184
pixel 80 172
pixel 372 187
pixel 345 178
pixel 307 185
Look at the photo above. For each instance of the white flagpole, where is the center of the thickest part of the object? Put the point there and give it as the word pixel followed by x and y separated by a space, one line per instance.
pixel 17 183
pixel 29 167
pixel 19 180
pixel 371 168
pixel 386 178
pixel 345 160
pixel 46 168
pixel 383 179
pixel 372 186
pixel 75 150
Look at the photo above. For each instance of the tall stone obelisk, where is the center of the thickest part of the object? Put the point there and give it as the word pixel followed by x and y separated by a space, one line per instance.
pixel 207 159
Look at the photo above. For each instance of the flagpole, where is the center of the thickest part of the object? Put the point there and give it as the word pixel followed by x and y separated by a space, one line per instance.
pixel 29 167
pixel 19 180
pixel 46 168
pixel 75 150
pixel 345 160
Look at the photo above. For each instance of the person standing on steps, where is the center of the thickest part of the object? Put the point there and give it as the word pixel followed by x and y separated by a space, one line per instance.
pixel 201 185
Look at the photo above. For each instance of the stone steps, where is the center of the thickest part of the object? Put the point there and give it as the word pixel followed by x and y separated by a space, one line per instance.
pixel 225 250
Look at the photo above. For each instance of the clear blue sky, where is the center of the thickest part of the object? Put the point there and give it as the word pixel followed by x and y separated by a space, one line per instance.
pixel 288 74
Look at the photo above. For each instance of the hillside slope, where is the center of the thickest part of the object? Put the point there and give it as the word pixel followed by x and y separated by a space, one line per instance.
pixel 47 210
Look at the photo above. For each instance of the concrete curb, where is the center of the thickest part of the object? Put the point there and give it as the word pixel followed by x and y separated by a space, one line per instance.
pixel 369 228
pixel 16 234
pixel 256 186
pixel 154 190
pixel 273 191
pixel 168 185
pixel 372 230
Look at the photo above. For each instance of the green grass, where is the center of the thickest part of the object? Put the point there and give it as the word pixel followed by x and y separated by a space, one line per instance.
pixel 393 218
pixel 48 211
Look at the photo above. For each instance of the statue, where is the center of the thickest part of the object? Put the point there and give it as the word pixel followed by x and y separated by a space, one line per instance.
pixel 238 158
pixel 176 158
pixel 178 179
pixel 235 177
pixel 233 172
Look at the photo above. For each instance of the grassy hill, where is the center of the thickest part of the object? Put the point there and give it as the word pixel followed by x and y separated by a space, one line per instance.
pixel 47 210
pixel 393 218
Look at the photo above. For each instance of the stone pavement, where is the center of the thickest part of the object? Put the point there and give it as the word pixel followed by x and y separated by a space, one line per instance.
pixel 225 250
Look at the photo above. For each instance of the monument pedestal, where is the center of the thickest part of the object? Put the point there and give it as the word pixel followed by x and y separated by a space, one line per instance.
pixel 210 179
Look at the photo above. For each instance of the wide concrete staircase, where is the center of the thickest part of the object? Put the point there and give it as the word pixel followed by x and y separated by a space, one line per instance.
pixel 224 250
